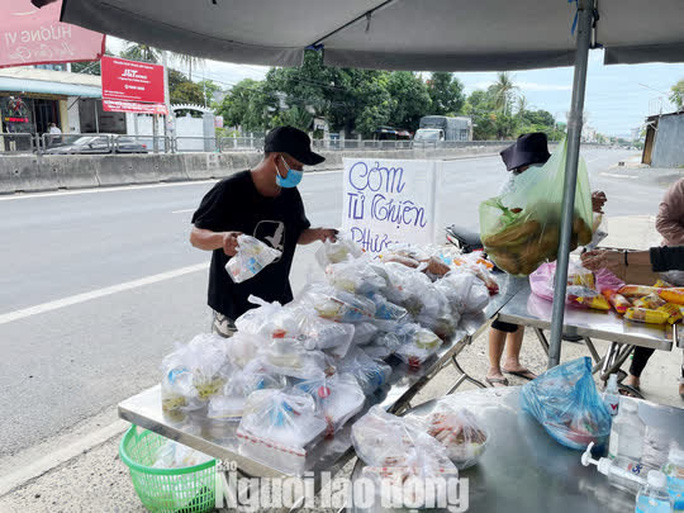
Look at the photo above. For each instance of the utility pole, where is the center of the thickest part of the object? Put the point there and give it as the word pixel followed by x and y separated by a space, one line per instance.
pixel 169 125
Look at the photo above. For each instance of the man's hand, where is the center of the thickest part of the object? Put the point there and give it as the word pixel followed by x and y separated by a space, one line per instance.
pixel 230 243
pixel 328 234
pixel 598 199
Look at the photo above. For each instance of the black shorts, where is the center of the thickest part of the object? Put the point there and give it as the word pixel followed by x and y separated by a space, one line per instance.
pixel 506 327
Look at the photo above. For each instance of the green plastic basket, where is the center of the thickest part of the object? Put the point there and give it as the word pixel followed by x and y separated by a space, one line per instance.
pixel 176 490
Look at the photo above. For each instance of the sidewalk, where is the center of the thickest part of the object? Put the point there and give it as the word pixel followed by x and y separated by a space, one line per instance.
pixel 96 480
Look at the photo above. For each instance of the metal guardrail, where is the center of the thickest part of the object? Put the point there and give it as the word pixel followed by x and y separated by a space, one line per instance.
pixel 101 144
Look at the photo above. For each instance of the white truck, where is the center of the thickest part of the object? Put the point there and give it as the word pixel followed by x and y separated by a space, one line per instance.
pixel 444 128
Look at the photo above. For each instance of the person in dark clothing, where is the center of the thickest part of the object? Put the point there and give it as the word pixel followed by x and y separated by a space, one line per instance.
pixel 262 202
pixel 659 259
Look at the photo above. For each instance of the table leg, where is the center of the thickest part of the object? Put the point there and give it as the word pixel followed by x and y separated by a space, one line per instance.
pixel 592 349
pixel 463 377
pixel 542 339
pixel 616 356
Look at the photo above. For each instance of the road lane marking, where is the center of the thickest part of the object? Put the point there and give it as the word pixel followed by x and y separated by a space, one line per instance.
pixel 95 294
pixel 183 211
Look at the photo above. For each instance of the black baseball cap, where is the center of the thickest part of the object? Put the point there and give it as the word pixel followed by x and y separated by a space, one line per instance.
pixel 290 140
pixel 527 150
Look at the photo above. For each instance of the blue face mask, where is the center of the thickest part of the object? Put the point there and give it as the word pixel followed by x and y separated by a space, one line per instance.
pixel 293 178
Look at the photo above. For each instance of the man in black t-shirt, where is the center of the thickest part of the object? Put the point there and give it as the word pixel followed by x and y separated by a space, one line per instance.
pixel 265 203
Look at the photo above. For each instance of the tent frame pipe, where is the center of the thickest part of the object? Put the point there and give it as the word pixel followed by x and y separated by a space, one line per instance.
pixel 584 31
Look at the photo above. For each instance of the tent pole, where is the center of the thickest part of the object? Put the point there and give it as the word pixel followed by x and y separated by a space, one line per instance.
pixel 584 27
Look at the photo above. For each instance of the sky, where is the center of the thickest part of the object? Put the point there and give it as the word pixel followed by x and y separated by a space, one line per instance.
pixel 618 97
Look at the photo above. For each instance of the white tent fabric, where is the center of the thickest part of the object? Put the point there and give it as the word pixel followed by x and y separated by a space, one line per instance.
pixel 391 34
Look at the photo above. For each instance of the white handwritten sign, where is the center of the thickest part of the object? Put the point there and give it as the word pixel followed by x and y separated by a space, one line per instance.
pixel 388 201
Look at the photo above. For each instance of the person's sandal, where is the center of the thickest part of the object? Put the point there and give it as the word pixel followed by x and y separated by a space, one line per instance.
pixel 496 382
pixel 524 374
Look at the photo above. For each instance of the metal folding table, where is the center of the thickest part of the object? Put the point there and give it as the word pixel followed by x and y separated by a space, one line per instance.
pixel 526 309
pixel 219 439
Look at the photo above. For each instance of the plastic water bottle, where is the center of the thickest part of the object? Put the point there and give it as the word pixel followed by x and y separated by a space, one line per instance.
pixel 674 471
pixel 653 498
pixel 627 433
pixel 611 395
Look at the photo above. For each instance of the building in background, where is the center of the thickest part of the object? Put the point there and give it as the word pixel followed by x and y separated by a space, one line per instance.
pixel 31 98
pixel 664 144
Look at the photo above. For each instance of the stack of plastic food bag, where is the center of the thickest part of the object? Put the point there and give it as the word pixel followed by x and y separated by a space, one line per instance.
pixel 251 257
pixel 369 373
pixel 564 400
pixel 279 428
pixel 395 451
pixel 195 372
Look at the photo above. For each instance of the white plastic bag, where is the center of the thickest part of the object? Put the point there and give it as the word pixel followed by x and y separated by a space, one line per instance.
pixel 423 344
pixel 174 455
pixel 251 257
pixel 337 305
pixel 355 276
pixel 369 373
pixel 279 427
pixel 289 357
pixel 338 398
pixel 364 333
pixel 339 251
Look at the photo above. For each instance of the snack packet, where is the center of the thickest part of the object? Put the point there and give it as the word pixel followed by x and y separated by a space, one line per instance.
pixel 619 302
pixel 647 316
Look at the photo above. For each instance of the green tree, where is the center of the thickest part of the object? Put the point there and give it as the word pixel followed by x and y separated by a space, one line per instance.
pixel 677 94
pixel 249 106
pixel 297 117
pixel 188 60
pixel 410 99
pixel 209 90
pixel 502 92
pixel 446 93
pixel 187 92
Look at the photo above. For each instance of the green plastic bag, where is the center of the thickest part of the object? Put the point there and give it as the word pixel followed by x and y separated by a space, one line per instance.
pixel 520 229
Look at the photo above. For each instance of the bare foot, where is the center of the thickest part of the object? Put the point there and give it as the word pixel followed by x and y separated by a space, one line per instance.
pixel 519 370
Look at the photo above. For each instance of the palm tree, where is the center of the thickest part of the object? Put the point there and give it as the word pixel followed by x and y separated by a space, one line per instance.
pixel 523 105
pixel 502 91
pixel 189 61
pixel 141 52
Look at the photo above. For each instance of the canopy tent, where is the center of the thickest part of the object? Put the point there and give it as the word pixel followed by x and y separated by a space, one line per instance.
pixel 487 35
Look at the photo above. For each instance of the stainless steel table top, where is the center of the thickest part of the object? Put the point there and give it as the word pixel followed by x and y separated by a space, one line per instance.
pixel 524 470
pixel 526 309
pixel 219 440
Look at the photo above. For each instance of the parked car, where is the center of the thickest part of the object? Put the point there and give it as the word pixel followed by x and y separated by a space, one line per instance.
pixel 98 144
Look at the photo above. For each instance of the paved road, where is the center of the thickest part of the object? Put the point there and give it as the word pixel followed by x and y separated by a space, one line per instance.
pixel 92 262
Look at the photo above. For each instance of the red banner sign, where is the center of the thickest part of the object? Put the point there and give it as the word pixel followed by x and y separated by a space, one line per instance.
pixel 131 80
pixel 29 35
pixel 140 108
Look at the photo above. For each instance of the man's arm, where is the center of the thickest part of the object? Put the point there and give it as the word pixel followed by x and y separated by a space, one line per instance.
pixel 209 241
pixel 313 234
pixel 670 212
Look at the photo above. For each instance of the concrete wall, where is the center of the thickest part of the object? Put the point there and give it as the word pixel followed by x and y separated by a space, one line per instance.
pixel 32 173
pixel 668 150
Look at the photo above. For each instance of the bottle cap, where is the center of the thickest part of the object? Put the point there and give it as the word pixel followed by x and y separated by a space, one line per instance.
pixel 676 455
pixel 656 479
pixel 279 333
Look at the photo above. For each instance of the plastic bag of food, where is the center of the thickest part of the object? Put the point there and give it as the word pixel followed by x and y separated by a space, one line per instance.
pixel 520 229
pixel 260 320
pixel 251 257
pixel 338 398
pixel 364 333
pixel 382 346
pixel 423 344
pixel 464 291
pixel 564 400
pixel 637 291
pixel 369 373
pixel 589 298
pixel 337 305
pixel 175 455
pixel 583 287
pixel 279 428
pixel 619 302
pixel 332 337
pixel 652 302
pixel 647 315
pixel 288 356
pixel 460 432
pixel 194 372
pixel 381 439
pixel 243 347
pixel 673 295
pixel 355 276
pixel 229 405
pixel 339 251
pixel 674 312
pixel 386 310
